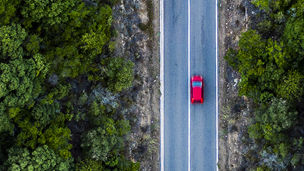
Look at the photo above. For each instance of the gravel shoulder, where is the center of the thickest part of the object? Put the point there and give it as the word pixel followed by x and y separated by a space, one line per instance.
pixel 235 112
pixel 137 24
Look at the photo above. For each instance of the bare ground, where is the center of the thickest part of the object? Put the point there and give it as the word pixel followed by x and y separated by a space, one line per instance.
pixel 137 23
pixel 235 17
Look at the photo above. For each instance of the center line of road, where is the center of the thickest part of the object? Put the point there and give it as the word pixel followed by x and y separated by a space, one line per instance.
pixel 189 168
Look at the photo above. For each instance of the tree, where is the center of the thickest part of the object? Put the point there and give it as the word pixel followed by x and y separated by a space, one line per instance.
pixel 273 120
pixel 99 33
pixel 11 39
pixel 85 36
pixel 5 124
pixel 46 11
pixel 272 6
pixel 99 143
pixel 89 165
pixel 45 113
pixel 56 135
pixel 20 79
pixel 262 66
pixel 294 40
pixel 117 73
pixel 19 82
pixel 7 10
pixel 291 87
pixel 42 158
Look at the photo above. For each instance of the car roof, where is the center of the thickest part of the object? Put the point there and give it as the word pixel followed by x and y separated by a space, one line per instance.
pixel 197 93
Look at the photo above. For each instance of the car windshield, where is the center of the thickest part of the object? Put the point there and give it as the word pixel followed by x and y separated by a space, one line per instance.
pixel 197 84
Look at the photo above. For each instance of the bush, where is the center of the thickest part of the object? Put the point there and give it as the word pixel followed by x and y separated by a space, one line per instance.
pixel 118 73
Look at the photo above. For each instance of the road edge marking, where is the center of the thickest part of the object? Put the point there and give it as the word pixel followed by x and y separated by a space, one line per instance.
pixel 161 71
pixel 189 119
pixel 216 73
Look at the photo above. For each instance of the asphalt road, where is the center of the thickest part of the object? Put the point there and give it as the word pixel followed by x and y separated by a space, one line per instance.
pixel 176 85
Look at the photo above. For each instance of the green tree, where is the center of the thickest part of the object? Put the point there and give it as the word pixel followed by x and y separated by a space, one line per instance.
pixel 85 36
pixel 19 82
pixel 117 73
pixel 291 87
pixel 8 10
pixel 89 165
pixel 33 44
pixel 46 11
pixel 272 6
pixel 273 120
pixel 42 158
pixel 294 40
pixel 99 32
pixel 11 39
pixel 98 143
pixel 56 135
pixel 5 124
pixel 45 113
pixel 261 65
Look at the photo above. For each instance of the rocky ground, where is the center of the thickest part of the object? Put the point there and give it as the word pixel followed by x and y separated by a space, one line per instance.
pixel 137 24
pixel 235 17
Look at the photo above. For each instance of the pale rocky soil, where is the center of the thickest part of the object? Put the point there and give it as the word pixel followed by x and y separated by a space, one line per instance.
pixel 235 17
pixel 141 46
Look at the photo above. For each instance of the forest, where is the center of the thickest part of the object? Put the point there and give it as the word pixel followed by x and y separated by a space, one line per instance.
pixel 270 60
pixel 58 69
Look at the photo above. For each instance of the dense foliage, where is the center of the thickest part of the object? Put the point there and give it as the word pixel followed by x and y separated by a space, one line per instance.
pixel 46 47
pixel 270 61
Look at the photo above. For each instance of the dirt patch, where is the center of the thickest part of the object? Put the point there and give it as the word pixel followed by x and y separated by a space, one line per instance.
pixel 137 23
pixel 235 112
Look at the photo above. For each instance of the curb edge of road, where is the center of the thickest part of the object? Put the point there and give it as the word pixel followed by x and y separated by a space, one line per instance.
pixel 216 72
pixel 188 80
pixel 161 72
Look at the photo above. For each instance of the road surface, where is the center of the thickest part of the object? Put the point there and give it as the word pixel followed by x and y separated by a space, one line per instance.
pixel 197 150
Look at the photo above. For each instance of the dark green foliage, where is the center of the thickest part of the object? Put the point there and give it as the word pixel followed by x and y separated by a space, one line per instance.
pixel 104 143
pixel 294 38
pixel 7 10
pixel 272 124
pixel 19 83
pixel 11 39
pixel 45 47
pixel 56 93
pixel 273 120
pixel 46 11
pixel 45 113
pixel 20 77
pixel 127 165
pixel 273 7
pixel 100 143
pixel 118 73
pixel 42 158
pixel 55 134
pixel 6 125
pixel 261 64
pixel 272 75
pixel 99 31
pixel 78 50
pixel 291 87
pixel 89 165
pixel 33 44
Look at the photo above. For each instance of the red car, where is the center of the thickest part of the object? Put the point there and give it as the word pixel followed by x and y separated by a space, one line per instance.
pixel 197 89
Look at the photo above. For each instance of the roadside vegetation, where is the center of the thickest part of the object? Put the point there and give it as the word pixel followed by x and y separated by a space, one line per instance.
pixel 270 61
pixel 59 85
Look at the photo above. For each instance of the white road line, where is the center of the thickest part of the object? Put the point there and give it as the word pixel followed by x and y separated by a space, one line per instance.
pixel 216 90
pixel 189 135
pixel 161 72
